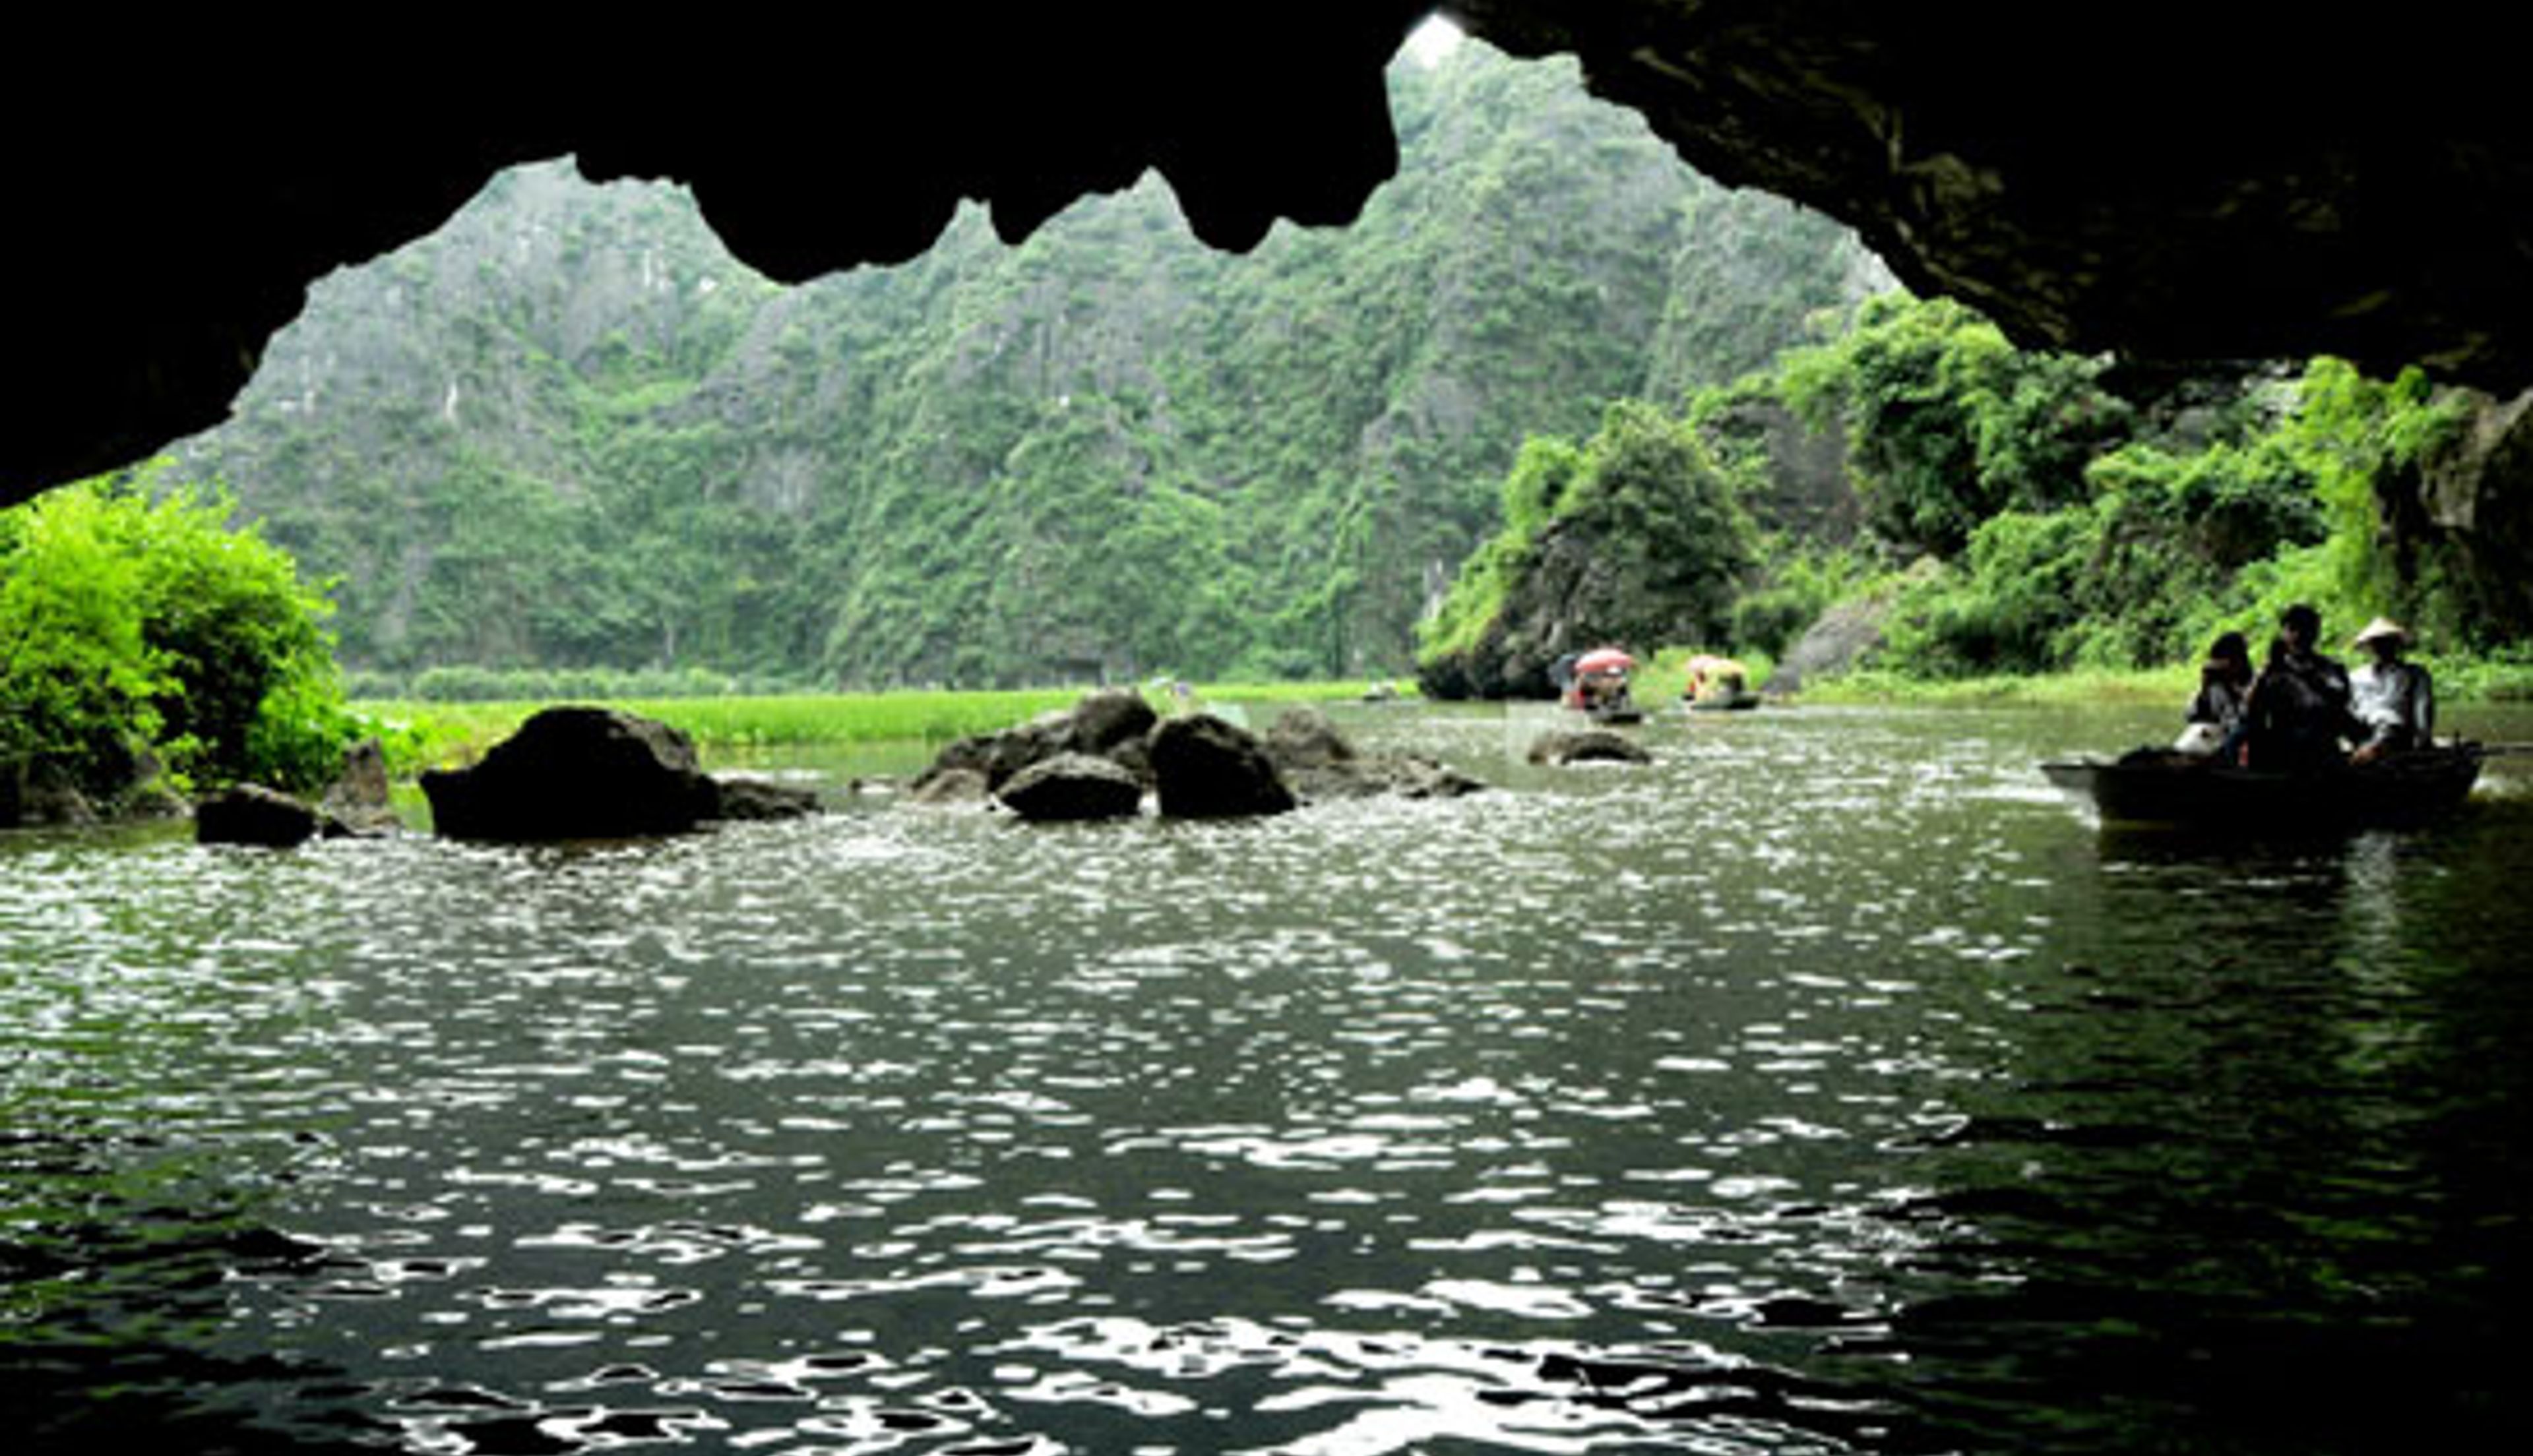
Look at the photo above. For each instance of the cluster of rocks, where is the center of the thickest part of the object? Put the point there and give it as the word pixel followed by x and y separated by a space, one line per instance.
pixel 569 773
pixel 37 794
pixel 1102 757
pixel 354 806
pixel 580 773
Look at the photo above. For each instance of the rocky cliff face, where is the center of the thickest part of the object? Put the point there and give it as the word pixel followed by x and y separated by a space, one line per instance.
pixel 571 427
pixel 2474 500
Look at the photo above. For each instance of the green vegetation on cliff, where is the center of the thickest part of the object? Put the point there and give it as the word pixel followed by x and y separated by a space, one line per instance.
pixel 2063 513
pixel 1637 536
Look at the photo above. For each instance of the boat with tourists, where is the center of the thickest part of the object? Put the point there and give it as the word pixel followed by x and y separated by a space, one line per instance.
pixel 1596 684
pixel 1717 684
pixel 2157 786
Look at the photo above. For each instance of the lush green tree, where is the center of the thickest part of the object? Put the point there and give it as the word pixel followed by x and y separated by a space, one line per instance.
pixel 77 679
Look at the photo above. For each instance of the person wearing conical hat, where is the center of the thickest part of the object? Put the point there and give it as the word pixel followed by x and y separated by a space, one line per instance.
pixel 2394 700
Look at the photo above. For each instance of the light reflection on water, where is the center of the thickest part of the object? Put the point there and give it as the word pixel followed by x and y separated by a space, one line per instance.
pixel 1828 1085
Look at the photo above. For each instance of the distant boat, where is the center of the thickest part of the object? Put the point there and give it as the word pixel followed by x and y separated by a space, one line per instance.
pixel 1741 701
pixel 1596 684
pixel 2155 787
pixel 1718 684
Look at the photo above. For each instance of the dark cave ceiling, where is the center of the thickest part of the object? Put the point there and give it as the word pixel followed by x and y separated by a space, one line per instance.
pixel 2169 181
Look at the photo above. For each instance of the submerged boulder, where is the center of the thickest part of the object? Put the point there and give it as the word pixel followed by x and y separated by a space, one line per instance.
pixel 252 814
pixel 1205 768
pixel 1072 787
pixel 954 783
pixel 742 797
pixel 1587 746
pixel 576 773
pixel 1304 738
pixel 1317 762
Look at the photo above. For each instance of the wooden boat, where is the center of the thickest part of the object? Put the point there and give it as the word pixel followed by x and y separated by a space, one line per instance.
pixel 1733 702
pixel 2155 787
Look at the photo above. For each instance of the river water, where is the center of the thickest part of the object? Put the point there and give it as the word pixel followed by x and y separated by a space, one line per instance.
pixel 1832 1084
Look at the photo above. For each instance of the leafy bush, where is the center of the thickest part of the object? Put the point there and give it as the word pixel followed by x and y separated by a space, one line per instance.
pixel 1542 477
pixel 2173 547
pixel 1799 583
pixel 2011 606
pixel 133 627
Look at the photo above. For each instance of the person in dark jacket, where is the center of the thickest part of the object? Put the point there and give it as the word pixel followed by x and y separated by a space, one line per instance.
pixel 2297 715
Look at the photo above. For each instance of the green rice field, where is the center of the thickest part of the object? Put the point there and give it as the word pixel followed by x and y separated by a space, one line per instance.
pixel 419 734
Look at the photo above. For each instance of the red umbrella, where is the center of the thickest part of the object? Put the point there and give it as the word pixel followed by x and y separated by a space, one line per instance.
pixel 1604 660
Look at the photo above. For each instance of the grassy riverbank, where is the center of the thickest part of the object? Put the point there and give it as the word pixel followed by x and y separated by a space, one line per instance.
pixel 419 734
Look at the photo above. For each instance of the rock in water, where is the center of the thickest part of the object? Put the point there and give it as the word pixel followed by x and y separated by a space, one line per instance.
pixel 1208 769
pixel 1587 746
pixel 954 784
pixel 1110 718
pixel 1073 786
pixel 357 804
pixel 1304 738
pixel 252 814
pixel 576 773
pixel 739 797
pixel 1110 722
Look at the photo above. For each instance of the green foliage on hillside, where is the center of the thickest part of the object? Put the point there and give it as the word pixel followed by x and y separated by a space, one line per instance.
pixel 2064 525
pixel 2172 547
pixel 569 431
pixel 133 627
pixel 1635 537
pixel 1948 423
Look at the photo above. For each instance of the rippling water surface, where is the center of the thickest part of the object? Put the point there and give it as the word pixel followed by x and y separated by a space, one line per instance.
pixel 1830 1085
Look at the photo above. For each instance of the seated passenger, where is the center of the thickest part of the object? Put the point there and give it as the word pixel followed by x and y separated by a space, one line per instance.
pixel 2297 712
pixel 2224 683
pixel 2394 701
pixel 1607 692
pixel 1562 674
